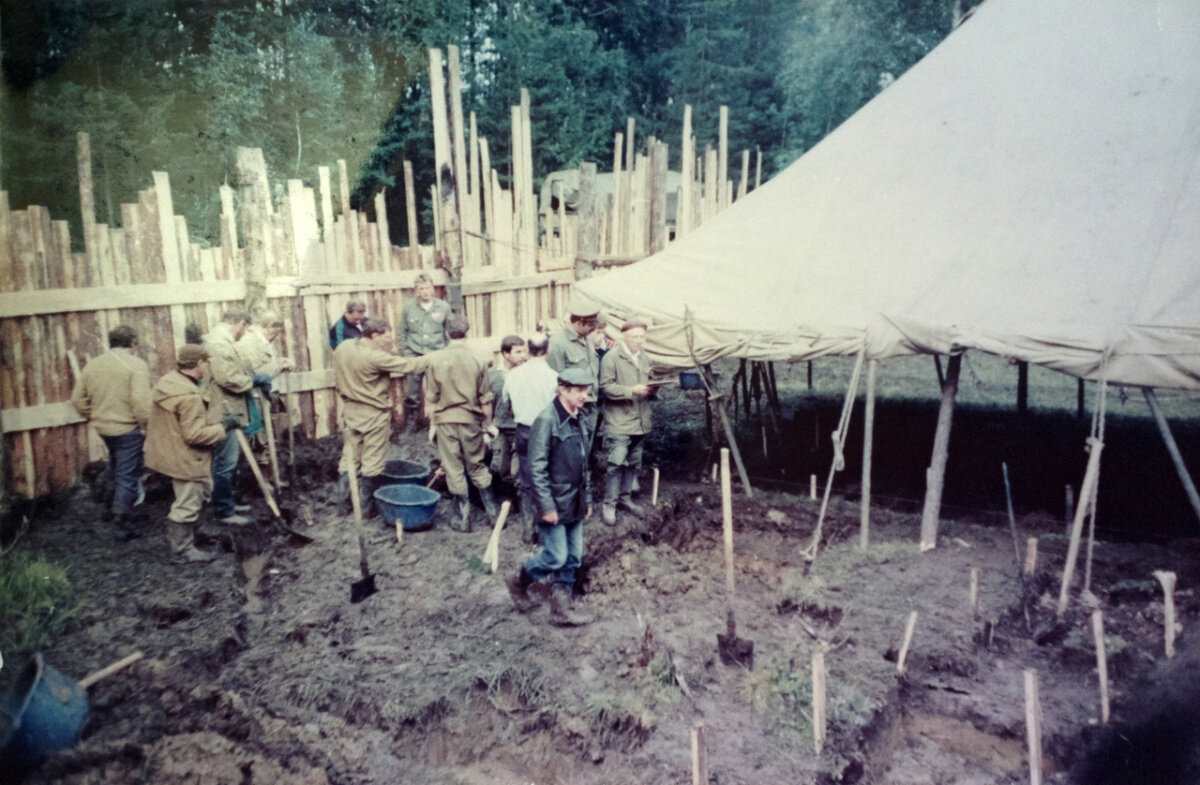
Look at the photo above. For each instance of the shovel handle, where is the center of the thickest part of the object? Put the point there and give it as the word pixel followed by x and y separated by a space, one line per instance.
pixel 105 672
pixel 258 475
pixel 356 504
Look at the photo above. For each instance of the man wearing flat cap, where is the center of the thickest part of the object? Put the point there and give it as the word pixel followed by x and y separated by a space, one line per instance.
pixel 570 348
pixel 179 442
pixel 558 465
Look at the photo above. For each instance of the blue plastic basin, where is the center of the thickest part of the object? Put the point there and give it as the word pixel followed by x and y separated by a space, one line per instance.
pixel 400 472
pixel 39 716
pixel 412 505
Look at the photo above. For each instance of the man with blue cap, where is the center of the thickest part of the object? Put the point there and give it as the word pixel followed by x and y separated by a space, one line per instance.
pixel 562 495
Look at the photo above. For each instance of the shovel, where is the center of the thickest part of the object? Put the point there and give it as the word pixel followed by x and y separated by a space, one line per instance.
pixel 269 426
pixel 364 588
pixel 258 475
pixel 732 649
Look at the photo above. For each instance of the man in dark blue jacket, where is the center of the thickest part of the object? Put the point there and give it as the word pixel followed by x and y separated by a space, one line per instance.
pixel 558 464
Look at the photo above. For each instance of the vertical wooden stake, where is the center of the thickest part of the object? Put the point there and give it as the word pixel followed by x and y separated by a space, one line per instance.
pixel 1033 726
pixel 1101 663
pixel 1167 579
pixel 1031 555
pixel 1069 506
pixel 654 490
pixel 699 756
pixel 864 523
pixel 974 593
pixel 812 487
pixel 727 520
pixel 818 689
pixel 908 634
pixel 1085 493
pixel 941 452
pixel 714 473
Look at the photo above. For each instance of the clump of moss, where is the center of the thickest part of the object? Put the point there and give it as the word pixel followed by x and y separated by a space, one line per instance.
pixel 35 602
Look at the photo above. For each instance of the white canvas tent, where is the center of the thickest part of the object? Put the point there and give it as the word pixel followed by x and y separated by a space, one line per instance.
pixel 1031 188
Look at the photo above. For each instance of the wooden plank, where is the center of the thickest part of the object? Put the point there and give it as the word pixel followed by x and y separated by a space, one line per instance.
pixel 529 222
pixel 112 255
pixel 301 214
pixel 229 235
pixel 683 207
pixel 328 236
pixel 47 301
pixel 758 168
pixel 7 273
pixel 723 155
pixel 87 197
pixel 518 189
pixel 410 214
pixel 457 128
pixel 437 95
pixel 744 183
pixel 382 231
pixel 485 182
pixel 615 224
pixel 658 198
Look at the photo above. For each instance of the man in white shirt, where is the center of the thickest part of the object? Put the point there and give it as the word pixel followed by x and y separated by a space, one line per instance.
pixel 529 388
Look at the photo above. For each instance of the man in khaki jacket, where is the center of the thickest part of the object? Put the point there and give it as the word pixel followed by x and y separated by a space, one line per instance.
pixel 572 347
pixel 458 399
pixel 232 380
pixel 362 370
pixel 624 377
pixel 179 441
pixel 113 394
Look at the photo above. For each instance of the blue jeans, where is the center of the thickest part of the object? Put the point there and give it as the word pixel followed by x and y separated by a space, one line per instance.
pixel 224 464
pixel 561 554
pixel 124 466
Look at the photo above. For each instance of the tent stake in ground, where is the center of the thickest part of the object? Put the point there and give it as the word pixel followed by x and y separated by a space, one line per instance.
pixel 1101 663
pixel 733 650
pixel 908 636
pixel 1167 579
pixel 1033 726
pixel 818 690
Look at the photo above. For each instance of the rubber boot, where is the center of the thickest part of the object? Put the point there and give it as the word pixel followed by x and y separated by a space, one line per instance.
pixel 342 491
pixel 489 503
pixel 368 486
pixel 625 501
pixel 126 528
pixel 612 488
pixel 463 503
pixel 529 523
pixel 561 612
pixel 518 587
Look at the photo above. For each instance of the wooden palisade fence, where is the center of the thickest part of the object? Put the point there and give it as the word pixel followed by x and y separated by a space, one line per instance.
pixel 304 255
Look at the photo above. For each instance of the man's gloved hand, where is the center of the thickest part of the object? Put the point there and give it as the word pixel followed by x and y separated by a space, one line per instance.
pixel 263 382
pixel 230 421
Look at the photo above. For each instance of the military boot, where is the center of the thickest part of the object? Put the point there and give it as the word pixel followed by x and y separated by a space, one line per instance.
pixel 625 500
pixel 463 505
pixel 127 528
pixel 489 503
pixel 561 612
pixel 368 486
pixel 518 588
pixel 612 489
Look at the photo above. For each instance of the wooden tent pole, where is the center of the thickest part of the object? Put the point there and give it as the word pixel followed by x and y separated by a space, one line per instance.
pixel 728 428
pixel 864 536
pixel 936 476
pixel 1181 469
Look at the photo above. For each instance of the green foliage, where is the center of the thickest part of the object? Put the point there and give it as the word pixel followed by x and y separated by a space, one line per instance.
pixel 781 694
pixel 35 602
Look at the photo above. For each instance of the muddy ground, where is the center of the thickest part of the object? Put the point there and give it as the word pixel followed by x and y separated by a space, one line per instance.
pixel 259 670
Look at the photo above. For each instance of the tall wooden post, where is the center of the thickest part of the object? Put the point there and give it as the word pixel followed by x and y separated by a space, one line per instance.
pixel 936 475
pixel 1164 429
pixel 864 536
pixel 448 218
pixel 658 197
pixel 585 208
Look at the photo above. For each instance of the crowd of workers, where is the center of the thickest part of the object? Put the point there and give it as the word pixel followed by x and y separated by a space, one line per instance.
pixel 534 413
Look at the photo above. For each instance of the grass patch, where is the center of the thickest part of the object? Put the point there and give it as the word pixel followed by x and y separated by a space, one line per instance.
pixel 780 692
pixel 36 602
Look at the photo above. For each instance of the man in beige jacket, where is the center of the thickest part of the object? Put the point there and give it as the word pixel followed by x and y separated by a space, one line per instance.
pixel 362 369
pixel 232 380
pixel 624 385
pixel 179 441
pixel 113 394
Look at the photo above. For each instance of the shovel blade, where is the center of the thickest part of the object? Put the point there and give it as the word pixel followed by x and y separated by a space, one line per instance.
pixel 360 590
pixel 735 651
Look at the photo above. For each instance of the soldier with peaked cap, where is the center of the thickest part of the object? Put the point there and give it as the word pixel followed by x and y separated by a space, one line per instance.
pixel 624 385
pixel 558 465
pixel 362 373
pixel 571 348
pixel 179 444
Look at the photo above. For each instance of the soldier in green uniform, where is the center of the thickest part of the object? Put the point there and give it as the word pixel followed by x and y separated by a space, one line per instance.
pixel 458 400
pixel 363 369
pixel 624 377
pixel 422 330
pixel 570 347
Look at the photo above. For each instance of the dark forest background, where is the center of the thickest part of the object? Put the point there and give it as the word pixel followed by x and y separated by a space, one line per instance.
pixel 177 85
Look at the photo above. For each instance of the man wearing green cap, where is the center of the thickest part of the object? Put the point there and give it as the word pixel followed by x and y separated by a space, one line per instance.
pixel 562 494
pixel 571 349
